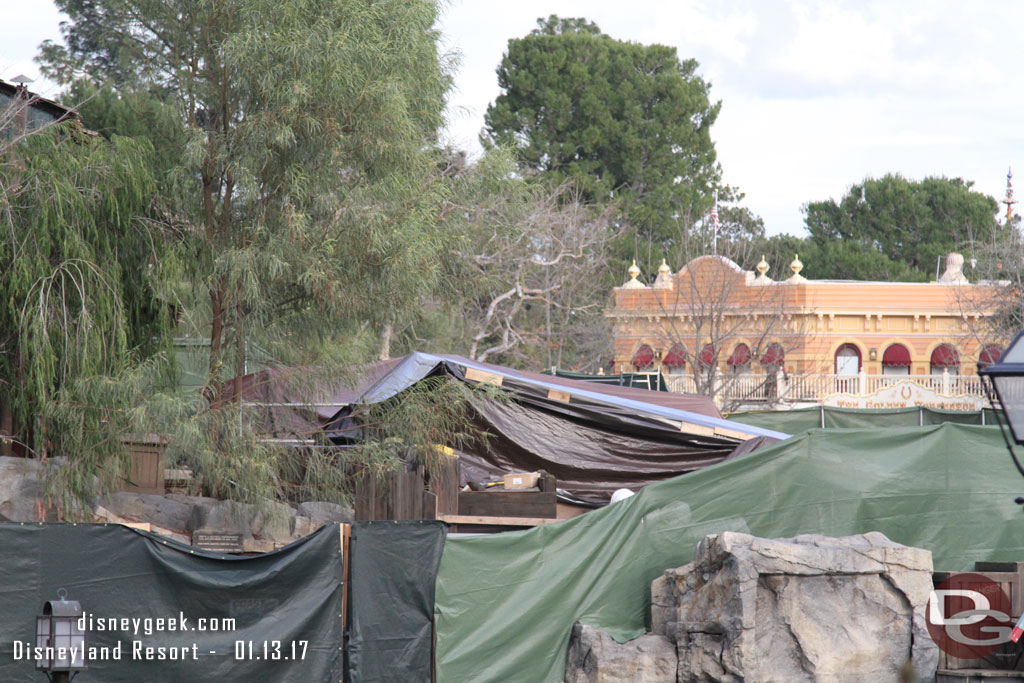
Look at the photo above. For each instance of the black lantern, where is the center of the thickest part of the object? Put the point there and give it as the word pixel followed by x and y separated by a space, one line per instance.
pixel 59 639
pixel 1006 386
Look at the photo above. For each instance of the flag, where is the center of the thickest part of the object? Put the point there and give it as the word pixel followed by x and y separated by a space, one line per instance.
pixel 714 215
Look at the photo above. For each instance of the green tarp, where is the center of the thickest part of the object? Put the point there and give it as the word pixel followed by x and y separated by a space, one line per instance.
pixel 392 572
pixel 802 419
pixel 286 605
pixel 505 603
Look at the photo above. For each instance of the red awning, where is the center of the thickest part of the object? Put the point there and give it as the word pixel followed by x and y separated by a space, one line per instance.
pixel 945 356
pixel 740 356
pixel 675 358
pixel 643 357
pixel 896 356
pixel 707 355
pixel 773 355
pixel 989 355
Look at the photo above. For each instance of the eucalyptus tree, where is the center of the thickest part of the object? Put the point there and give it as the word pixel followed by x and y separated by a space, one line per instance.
pixel 306 177
pixel 304 187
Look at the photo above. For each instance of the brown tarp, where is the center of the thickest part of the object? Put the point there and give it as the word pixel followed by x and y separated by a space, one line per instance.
pixel 593 438
pixel 296 403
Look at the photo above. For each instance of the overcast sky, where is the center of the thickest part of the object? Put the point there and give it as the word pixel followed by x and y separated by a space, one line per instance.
pixel 815 95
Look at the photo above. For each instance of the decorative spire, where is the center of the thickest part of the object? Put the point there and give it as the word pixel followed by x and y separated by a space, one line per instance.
pixel 634 273
pixel 762 267
pixel 796 266
pixel 664 279
pixel 1009 201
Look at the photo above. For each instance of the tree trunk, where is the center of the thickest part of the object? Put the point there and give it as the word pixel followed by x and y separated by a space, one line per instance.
pixel 6 429
pixel 239 353
pixel 385 342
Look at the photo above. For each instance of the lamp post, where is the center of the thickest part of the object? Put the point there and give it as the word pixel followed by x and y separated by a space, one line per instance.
pixel 1005 385
pixel 60 641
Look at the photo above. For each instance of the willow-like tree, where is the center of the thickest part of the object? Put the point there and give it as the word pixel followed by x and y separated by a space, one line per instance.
pixel 77 300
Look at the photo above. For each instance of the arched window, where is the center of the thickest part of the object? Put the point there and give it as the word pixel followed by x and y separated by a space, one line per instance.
pixel 707 355
pixel 739 359
pixel 675 360
pixel 773 357
pixel 643 357
pixel 896 360
pixel 945 358
pixel 847 360
pixel 989 356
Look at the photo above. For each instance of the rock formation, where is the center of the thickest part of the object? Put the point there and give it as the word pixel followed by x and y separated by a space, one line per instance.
pixel 753 610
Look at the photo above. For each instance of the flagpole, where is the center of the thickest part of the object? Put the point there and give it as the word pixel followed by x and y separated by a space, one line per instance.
pixel 714 226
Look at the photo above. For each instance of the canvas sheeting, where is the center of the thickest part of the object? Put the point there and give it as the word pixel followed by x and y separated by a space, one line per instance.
pixel 392 572
pixel 801 419
pixel 505 603
pixel 291 595
pixel 593 438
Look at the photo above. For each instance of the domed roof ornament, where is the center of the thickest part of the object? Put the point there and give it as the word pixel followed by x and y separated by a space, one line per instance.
pixel 664 279
pixel 633 282
pixel 762 273
pixel 796 266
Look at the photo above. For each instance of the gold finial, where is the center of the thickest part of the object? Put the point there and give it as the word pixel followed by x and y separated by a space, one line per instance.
pixel 796 266
pixel 762 266
pixel 633 283
pixel 664 279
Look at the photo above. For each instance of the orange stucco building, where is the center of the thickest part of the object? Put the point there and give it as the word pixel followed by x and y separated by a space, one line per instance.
pixel 715 314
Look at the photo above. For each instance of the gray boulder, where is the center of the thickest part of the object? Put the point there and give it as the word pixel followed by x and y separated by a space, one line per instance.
pixel 321 513
pixel 595 657
pixel 809 608
pixel 274 522
pixel 160 511
pixel 19 489
pixel 220 516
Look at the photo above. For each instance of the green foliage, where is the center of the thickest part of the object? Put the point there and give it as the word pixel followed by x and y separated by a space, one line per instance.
pixel 832 260
pixel 294 151
pixel 78 300
pixel 897 229
pixel 139 115
pixel 555 25
pixel 306 183
pixel 624 122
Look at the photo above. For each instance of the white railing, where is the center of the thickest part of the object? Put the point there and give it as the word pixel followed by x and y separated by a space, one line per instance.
pixel 817 387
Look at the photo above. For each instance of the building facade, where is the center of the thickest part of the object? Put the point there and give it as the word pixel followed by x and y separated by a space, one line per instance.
pixel 742 336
